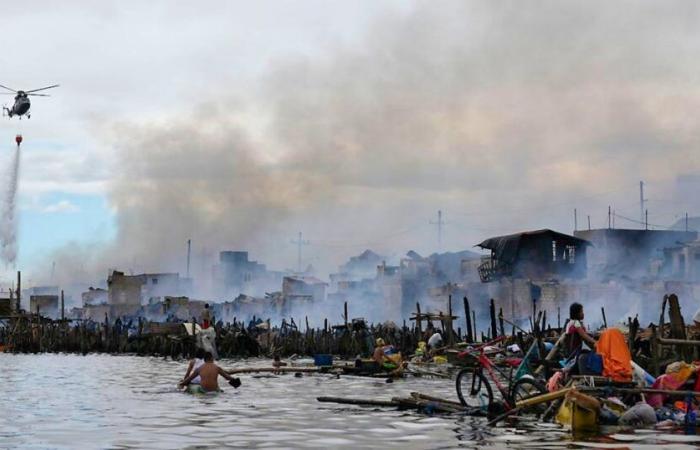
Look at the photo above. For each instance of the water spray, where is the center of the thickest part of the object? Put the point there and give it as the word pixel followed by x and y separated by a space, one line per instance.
pixel 8 225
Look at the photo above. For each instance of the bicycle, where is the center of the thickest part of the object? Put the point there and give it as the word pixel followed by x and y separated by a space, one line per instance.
pixel 478 389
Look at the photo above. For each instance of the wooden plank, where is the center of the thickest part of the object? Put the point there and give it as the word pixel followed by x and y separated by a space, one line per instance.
pixel 358 401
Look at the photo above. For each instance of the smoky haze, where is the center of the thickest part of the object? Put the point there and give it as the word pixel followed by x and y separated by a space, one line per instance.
pixel 506 117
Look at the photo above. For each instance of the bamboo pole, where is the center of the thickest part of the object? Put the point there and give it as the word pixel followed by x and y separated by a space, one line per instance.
pixel 358 401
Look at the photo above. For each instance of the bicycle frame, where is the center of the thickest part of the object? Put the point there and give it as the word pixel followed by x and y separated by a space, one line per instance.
pixel 485 363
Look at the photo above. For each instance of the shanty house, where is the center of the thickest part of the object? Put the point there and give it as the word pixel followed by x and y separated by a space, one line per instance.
pixel 619 253
pixel 538 255
pixel 46 305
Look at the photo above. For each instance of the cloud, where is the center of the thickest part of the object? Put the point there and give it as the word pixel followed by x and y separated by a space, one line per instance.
pixel 62 206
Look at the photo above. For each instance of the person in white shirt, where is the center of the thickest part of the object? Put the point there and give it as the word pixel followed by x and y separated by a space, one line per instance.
pixel 195 364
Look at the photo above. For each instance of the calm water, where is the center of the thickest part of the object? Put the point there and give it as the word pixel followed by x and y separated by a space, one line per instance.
pixel 101 401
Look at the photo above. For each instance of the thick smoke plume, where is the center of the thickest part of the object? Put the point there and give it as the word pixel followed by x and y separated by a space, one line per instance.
pixel 8 223
pixel 505 117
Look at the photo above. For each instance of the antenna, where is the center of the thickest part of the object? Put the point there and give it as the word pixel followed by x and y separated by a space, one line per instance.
pixel 439 225
pixel 189 254
pixel 299 242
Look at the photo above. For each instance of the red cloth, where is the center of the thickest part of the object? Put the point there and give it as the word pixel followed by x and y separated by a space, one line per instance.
pixel 205 324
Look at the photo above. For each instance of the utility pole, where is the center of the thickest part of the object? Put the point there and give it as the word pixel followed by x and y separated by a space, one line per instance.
pixel 686 222
pixel 189 253
pixel 642 201
pixel 439 225
pixel 646 219
pixel 589 223
pixel 609 217
pixel 299 242
pixel 575 220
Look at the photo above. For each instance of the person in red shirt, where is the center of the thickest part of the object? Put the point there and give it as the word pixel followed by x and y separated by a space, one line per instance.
pixel 206 316
pixel 577 334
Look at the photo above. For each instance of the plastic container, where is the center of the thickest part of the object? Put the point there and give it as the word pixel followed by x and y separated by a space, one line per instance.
pixel 323 360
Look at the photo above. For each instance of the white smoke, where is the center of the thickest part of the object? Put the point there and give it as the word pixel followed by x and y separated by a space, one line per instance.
pixel 8 221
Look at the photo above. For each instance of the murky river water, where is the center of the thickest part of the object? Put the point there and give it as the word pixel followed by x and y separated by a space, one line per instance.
pixel 102 401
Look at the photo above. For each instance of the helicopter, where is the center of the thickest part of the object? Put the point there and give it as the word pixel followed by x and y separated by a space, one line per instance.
pixel 22 103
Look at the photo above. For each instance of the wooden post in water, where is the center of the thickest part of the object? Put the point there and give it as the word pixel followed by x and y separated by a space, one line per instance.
pixel 269 335
pixel 559 317
pixel 19 290
pixel 544 320
pixel 450 339
pixel 655 365
pixel 492 311
pixel 500 321
pixel 419 321
pixel 468 317
pixel 605 321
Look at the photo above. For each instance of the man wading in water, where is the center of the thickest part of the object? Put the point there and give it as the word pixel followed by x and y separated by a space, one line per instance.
pixel 209 377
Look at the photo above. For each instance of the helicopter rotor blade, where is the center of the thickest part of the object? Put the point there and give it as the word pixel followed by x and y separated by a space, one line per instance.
pixel 9 89
pixel 41 95
pixel 41 89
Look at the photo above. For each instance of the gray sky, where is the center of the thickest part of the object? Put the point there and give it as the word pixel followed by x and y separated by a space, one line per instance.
pixel 238 124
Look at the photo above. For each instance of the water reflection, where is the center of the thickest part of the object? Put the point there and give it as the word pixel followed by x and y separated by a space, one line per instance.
pixel 125 402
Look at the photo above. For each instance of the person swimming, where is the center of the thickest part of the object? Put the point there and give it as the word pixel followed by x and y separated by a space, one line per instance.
pixel 209 376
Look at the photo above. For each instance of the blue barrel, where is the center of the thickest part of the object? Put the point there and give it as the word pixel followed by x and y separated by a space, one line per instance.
pixel 323 360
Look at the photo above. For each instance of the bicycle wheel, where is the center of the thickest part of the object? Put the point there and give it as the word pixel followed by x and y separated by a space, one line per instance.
pixel 525 388
pixel 473 389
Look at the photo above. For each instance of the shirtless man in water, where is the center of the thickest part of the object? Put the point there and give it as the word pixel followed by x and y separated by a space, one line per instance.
pixel 208 374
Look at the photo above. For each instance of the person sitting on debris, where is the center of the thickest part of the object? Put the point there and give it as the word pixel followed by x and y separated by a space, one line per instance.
pixel 206 316
pixel 195 364
pixel 386 356
pixel 209 376
pixel 435 342
pixel 378 354
pixel 577 336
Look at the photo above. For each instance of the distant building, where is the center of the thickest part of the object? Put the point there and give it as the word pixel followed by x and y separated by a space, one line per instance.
pixel 303 288
pixel 236 274
pixel 7 306
pixel 682 262
pixel 361 266
pixel 95 296
pixel 538 255
pixel 620 253
pixel 135 290
pixel 45 305
pixel 124 289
